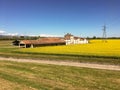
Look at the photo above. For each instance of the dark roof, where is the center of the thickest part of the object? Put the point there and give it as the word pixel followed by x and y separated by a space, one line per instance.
pixel 67 37
pixel 79 38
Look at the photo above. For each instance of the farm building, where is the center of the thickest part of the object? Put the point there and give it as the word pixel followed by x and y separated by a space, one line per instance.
pixel 42 42
pixel 48 41
pixel 70 39
pixel 16 42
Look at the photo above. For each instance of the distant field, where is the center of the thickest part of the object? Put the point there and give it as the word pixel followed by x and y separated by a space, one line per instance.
pixel 31 76
pixel 95 48
pixel 94 52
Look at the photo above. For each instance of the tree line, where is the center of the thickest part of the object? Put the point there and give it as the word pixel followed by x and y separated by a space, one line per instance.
pixel 8 37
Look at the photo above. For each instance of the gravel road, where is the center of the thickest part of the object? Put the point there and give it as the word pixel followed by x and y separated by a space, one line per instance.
pixel 66 63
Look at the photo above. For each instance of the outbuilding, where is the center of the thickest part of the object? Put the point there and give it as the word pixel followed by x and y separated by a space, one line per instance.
pixel 49 41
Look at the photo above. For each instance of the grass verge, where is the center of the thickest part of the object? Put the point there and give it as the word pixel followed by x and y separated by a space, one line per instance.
pixel 53 77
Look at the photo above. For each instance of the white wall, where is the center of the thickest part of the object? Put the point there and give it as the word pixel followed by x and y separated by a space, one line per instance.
pixel 77 41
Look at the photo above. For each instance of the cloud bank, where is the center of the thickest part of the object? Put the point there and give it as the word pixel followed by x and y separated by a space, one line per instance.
pixel 2 32
pixel 48 35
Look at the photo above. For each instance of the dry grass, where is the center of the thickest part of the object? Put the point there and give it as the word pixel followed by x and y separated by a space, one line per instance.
pixel 7 85
pixel 30 76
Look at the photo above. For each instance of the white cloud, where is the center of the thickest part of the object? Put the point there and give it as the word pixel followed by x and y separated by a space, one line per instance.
pixel 12 34
pixel 2 32
pixel 48 35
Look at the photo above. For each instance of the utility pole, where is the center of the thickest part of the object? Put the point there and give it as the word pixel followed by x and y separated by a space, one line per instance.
pixel 104 34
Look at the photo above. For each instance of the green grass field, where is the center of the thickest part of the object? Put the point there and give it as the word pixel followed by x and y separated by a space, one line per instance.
pixel 31 76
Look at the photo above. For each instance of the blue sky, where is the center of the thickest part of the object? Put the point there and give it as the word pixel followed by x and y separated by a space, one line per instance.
pixel 57 17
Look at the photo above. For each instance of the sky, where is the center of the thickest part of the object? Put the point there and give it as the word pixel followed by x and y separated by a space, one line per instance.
pixel 84 18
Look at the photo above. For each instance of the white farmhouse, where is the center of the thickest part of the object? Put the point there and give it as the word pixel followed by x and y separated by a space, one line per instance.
pixel 70 39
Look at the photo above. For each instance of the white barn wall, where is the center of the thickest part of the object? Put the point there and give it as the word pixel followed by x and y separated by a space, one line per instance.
pixel 76 41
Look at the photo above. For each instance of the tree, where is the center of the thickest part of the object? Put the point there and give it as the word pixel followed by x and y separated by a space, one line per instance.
pixel 94 37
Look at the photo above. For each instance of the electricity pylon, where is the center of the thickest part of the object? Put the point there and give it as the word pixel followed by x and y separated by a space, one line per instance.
pixel 104 34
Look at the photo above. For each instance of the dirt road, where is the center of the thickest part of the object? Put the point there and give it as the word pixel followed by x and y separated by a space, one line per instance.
pixel 66 63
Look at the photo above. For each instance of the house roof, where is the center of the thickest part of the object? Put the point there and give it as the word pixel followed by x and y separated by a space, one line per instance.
pixel 79 38
pixel 50 40
pixel 68 37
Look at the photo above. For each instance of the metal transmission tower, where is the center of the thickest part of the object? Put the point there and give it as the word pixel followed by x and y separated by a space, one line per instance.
pixel 104 34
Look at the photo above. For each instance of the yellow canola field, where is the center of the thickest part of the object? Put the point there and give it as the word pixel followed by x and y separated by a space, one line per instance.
pixel 94 48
